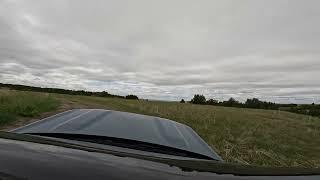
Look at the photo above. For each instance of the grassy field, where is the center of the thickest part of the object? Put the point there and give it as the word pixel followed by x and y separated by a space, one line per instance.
pixel 247 136
pixel 14 105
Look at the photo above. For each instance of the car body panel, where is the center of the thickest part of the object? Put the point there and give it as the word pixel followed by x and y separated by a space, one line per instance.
pixel 124 125
pixel 29 160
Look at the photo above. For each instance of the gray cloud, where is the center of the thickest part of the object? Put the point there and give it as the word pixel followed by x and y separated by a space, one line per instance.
pixel 165 49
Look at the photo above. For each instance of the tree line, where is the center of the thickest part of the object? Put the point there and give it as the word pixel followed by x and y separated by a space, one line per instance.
pixel 232 102
pixel 65 91
pixel 308 109
pixel 255 103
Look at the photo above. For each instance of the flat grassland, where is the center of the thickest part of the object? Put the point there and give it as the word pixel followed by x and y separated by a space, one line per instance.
pixel 245 136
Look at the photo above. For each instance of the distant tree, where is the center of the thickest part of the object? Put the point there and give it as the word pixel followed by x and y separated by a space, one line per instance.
pixel 232 103
pixel 198 99
pixel 103 94
pixel 253 103
pixel 131 96
pixel 182 101
pixel 256 103
pixel 212 102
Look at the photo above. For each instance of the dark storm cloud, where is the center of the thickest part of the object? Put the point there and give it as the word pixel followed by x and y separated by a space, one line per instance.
pixel 165 49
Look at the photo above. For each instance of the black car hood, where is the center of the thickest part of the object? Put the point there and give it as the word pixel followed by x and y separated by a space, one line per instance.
pixel 32 157
pixel 123 125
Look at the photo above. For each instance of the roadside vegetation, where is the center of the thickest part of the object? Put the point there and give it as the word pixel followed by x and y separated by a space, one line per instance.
pixel 239 135
pixel 15 104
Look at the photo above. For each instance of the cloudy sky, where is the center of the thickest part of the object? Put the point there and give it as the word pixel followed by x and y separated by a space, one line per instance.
pixel 166 49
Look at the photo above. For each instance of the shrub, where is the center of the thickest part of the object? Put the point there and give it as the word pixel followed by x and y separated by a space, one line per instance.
pixel 198 99
pixel 212 102
pixel 132 97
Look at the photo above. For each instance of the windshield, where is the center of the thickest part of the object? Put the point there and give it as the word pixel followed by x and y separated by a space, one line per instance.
pixel 229 81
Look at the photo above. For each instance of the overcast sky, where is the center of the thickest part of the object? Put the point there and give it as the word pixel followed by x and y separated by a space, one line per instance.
pixel 165 49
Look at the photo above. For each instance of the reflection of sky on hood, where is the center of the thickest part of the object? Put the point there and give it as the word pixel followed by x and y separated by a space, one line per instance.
pixel 252 48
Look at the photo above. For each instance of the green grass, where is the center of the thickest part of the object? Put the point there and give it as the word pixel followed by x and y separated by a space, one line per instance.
pixel 246 136
pixel 14 105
